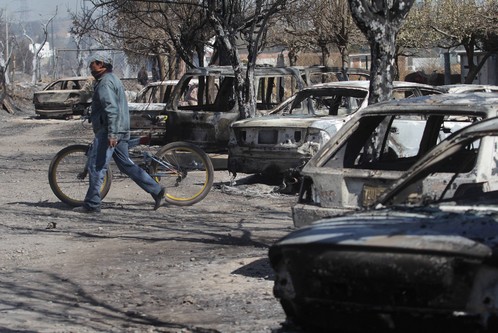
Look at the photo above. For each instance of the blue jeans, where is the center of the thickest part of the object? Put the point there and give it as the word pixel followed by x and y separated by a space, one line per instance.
pixel 99 157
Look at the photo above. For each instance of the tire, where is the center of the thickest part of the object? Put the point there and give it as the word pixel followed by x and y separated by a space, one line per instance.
pixel 185 171
pixel 67 175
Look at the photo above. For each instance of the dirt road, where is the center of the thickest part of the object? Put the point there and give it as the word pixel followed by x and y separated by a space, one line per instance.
pixel 131 269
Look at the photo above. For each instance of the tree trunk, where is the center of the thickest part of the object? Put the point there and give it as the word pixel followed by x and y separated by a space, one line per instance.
pixel 380 21
pixel 382 70
pixel 249 108
pixel 344 51
pixel 5 101
pixel 473 68
pixel 292 55
pixel 325 54
pixel 228 42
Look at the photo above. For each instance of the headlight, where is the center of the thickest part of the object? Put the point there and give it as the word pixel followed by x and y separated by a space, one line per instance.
pixel 314 139
pixel 317 136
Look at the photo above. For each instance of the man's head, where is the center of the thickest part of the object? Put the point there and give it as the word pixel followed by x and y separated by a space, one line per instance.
pixel 99 62
pixel 102 57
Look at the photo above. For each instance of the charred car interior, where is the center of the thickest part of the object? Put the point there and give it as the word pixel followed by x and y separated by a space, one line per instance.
pixel 147 106
pixel 201 113
pixel 373 149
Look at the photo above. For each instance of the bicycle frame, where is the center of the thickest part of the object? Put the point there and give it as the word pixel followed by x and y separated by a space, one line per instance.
pixel 147 156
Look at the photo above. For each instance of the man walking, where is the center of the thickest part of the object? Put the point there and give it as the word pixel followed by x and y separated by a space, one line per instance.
pixel 110 120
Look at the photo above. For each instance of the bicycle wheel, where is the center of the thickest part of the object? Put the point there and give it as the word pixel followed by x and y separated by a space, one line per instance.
pixel 185 171
pixel 68 176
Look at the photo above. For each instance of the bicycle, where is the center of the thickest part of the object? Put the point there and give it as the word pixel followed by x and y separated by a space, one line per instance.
pixel 184 169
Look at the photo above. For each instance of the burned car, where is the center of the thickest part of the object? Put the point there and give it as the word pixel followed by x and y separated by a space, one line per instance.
pixel 64 97
pixel 206 117
pixel 282 142
pixel 156 92
pixel 424 259
pixel 377 145
pixel 147 106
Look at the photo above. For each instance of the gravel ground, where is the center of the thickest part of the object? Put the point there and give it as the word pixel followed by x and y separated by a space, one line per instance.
pixel 202 268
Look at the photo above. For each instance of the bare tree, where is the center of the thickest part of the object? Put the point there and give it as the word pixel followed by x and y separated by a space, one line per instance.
pixel 449 24
pixel 334 18
pixel 380 21
pixel 472 24
pixel 79 32
pixel 292 33
pixel 37 47
pixel 167 30
pixel 318 26
pixel 173 26
pixel 5 58
pixel 248 20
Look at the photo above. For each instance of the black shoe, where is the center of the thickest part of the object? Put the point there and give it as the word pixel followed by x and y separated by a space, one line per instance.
pixel 158 198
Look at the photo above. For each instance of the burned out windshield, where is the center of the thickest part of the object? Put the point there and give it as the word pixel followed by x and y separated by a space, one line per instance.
pixel 394 142
pixel 326 102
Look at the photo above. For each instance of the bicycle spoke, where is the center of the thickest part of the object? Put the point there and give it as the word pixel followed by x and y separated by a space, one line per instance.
pixel 185 172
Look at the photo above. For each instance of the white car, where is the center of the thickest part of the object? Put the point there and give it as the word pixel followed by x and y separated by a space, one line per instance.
pixel 282 142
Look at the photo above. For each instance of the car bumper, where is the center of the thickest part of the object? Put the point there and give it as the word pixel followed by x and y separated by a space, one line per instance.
pixel 265 162
pixel 54 112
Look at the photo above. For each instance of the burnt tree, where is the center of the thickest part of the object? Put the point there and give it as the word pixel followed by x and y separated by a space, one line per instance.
pixel 5 100
pixel 380 21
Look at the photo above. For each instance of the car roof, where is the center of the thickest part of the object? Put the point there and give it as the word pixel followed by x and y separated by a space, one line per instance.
pixel 341 86
pixel 161 83
pixel 365 84
pixel 74 78
pixel 459 88
pixel 475 101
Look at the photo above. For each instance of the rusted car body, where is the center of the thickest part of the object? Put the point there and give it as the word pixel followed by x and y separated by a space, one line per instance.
pixel 156 92
pixel 424 260
pixel 150 101
pixel 64 97
pixel 205 119
pixel 377 145
pixel 284 141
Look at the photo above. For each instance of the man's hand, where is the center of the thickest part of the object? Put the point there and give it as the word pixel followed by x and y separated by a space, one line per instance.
pixel 113 142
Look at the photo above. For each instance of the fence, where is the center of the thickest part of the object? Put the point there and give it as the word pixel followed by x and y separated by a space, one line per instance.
pixel 65 63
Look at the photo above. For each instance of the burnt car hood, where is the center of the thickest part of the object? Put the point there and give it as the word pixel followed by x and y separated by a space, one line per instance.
pixel 146 107
pixel 56 96
pixel 291 121
pixel 426 231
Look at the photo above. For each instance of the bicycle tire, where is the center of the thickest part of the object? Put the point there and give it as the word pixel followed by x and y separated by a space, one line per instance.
pixel 67 175
pixel 185 171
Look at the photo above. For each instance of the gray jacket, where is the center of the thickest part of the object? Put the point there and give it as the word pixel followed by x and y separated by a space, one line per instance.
pixel 110 108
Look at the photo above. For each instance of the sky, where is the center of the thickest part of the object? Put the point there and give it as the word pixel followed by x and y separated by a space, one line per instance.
pixel 31 10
